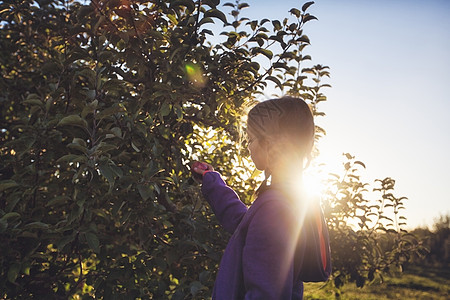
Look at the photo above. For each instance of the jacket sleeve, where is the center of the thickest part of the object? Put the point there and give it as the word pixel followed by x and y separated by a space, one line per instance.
pixel 269 252
pixel 225 203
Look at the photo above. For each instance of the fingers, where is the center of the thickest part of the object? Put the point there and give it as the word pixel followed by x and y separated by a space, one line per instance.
pixel 198 169
pixel 202 168
pixel 208 168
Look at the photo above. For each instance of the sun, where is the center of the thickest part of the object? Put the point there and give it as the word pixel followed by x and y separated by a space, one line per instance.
pixel 314 179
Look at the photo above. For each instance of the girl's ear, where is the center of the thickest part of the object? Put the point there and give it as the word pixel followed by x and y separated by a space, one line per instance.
pixel 272 146
pixel 266 143
pixel 269 147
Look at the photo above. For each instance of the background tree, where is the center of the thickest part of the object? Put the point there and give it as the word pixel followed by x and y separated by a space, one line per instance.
pixel 437 241
pixel 104 104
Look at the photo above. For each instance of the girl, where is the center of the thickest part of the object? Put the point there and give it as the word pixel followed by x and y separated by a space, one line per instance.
pixel 281 240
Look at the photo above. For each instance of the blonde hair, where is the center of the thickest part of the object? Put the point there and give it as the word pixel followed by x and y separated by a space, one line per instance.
pixel 287 124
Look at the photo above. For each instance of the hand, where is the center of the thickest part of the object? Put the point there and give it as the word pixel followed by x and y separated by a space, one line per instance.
pixel 198 169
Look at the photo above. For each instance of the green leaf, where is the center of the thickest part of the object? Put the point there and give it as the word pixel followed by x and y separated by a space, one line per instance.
pixel 173 18
pixel 178 111
pixel 64 241
pixel 73 120
pixel 243 5
pixel 3 225
pixel 279 39
pixel 109 111
pixel 26 267
pixel 106 147
pixel 211 3
pixel 145 191
pixel 304 38
pixel 135 147
pixel 11 215
pixel 308 17
pixel 88 74
pixel 13 272
pixel 165 109
pixel 207 31
pixel 360 163
pixel 107 172
pixel 262 35
pixel 348 156
pixel 33 102
pixel 215 13
pixel 265 52
pixel 295 12
pixel 33 97
pixel 36 225
pixel 90 94
pixel 306 5
pixel 7 184
pixel 89 108
pixel 276 25
pixel 117 170
pixel 275 80
pixel 253 24
pixel 156 35
pixel 293 27
pixel 79 141
pixel 189 4
pixel 93 241
pixel 72 158
pixel 117 132
pixel 78 147
pixel 280 65
pixel 204 276
pixel 58 201
pixel 195 287
pixel 205 21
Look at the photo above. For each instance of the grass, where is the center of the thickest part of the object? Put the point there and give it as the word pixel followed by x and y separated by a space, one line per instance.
pixel 414 283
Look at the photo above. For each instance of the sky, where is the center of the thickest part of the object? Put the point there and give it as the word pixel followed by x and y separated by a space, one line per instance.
pixel 388 105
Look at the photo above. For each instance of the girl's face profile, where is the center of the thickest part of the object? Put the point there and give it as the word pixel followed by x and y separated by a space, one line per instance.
pixel 257 151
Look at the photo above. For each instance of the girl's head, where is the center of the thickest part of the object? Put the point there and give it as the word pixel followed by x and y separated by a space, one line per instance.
pixel 281 134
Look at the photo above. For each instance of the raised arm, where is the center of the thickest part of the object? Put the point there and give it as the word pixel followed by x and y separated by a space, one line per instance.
pixel 225 203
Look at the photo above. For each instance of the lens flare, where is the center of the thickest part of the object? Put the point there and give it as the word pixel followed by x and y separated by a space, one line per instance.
pixel 195 75
pixel 313 182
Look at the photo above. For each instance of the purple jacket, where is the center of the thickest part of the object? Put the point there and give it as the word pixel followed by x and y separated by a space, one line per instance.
pixel 264 256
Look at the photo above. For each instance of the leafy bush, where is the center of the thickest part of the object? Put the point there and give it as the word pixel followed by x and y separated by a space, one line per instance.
pixel 366 229
pixel 436 241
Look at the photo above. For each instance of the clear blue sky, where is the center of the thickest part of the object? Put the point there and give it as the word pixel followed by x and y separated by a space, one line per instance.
pixel 389 104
